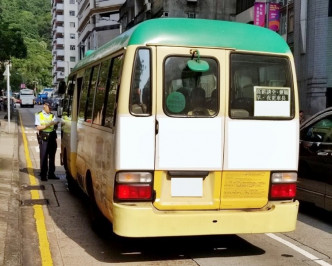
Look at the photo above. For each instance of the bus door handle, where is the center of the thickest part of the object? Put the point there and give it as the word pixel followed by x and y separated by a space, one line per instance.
pixel 157 127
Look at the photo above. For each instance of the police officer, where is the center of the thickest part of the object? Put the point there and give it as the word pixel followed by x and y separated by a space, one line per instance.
pixel 46 124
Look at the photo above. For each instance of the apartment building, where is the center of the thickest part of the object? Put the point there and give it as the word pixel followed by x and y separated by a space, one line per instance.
pixel 64 32
pixel 136 11
pixel 98 22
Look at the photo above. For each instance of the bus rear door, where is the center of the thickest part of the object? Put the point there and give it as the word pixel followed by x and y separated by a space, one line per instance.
pixel 190 129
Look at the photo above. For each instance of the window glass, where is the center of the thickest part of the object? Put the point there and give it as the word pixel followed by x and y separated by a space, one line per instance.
pixel 100 93
pixel 260 87
pixel 189 93
pixel 84 93
pixel 140 92
pixel 67 101
pixel 91 92
pixel 320 131
pixel 113 90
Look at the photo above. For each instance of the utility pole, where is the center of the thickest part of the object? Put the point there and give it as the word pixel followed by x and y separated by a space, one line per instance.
pixel 7 75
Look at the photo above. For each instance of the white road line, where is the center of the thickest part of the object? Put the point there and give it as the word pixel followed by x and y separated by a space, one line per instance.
pixel 300 250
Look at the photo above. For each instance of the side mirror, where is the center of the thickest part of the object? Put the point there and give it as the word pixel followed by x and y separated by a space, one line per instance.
pixel 62 87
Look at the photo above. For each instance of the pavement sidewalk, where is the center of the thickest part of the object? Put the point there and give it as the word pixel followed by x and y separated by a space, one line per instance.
pixel 10 232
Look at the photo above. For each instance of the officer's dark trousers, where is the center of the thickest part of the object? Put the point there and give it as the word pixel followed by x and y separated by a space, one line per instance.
pixel 47 156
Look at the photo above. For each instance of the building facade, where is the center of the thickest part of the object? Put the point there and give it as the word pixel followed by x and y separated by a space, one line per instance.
pixel 313 53
pixel 136 11
pixel 97 23
pixel 64 43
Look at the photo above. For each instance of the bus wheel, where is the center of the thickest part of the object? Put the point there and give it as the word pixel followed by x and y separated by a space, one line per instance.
pixel 72 185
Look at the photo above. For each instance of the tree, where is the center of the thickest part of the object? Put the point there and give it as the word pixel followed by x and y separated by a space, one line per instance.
pixel 11 46
pixel 27 23
pixel 11 43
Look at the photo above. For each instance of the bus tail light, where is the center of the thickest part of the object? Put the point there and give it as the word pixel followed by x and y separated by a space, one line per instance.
pixel 283 185
pixel 133 186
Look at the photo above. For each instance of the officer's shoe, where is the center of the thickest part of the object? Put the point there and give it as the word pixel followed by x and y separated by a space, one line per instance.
pixel 43 178
pixel 53 176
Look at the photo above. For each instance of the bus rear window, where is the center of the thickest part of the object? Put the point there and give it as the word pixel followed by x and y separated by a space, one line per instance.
pixel 261 87
pixel 189 93
pixel 140 91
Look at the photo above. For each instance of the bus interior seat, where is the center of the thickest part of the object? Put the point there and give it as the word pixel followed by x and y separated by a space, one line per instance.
pixel 239 113
pixel 198 102
pixel 246 87
pixel 138 109
pixel 245 96
pixel 214 100
pixel 198 98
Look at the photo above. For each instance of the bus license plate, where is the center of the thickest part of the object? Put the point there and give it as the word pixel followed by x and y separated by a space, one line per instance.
pixel 187 187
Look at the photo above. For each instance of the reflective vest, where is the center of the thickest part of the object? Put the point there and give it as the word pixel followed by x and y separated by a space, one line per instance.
pixel 46 120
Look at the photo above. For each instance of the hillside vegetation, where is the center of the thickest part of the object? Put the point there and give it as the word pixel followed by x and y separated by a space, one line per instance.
pixel 25 39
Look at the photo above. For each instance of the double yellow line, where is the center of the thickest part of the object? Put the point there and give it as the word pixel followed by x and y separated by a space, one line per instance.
pixel 44 245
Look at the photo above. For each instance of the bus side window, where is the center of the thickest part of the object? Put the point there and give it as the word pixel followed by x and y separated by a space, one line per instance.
pixel 140 92
pixel 102 84
pixel 67 101
pixel 91 92
pixel 84 94
pixel 114 83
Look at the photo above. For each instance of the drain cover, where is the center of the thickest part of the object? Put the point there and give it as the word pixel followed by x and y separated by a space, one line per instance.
pixel 41 187
pixel 34 202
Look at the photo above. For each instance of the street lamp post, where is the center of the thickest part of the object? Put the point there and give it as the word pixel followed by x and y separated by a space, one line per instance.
pixel 7 75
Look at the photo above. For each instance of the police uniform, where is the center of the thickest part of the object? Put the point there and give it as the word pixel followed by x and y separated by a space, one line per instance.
pixel 47 144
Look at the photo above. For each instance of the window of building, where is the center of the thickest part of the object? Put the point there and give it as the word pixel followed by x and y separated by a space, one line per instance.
pixel 72 24
pixel 191 15
pixel 72 36
pixel 242 5
pixel 72 47
pixel 71 13
pixel 290 20
pixel 72 59
pixel 72 2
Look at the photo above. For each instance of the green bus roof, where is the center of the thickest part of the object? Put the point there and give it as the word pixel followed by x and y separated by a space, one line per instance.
pixel 194 33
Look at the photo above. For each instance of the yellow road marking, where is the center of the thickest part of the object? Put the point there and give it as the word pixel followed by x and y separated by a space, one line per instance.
pixel 44 246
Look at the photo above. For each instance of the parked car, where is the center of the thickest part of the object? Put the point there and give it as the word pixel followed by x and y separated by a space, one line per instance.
pixel 315 163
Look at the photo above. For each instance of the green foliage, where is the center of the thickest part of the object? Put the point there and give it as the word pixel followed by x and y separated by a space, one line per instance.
pixel 30 19
pixel 11 43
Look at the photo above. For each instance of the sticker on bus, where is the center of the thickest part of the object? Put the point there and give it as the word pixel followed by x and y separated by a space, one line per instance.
pixel 272 101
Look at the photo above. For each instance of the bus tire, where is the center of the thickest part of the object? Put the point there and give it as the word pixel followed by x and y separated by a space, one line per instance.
pixel 71 183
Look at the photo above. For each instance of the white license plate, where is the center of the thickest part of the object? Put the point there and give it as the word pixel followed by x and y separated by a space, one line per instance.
pixel 186 187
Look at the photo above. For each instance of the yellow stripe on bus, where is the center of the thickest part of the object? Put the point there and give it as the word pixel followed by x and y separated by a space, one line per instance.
pixel 44 246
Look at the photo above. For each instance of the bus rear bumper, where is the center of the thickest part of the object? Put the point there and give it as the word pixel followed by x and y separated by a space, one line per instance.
pixel 142 220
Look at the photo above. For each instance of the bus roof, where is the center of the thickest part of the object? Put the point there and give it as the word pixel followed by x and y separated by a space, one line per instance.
pixel 194 33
